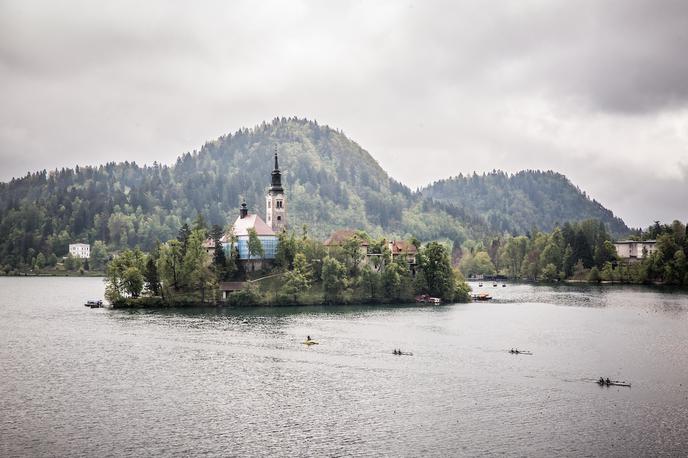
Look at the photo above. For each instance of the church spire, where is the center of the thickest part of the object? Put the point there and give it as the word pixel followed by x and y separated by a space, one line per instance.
pixel 276 176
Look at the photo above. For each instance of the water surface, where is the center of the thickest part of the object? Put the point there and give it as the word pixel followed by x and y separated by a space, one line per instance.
pixel 238 382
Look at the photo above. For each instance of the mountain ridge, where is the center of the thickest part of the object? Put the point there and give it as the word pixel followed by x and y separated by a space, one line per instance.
pixel 331 181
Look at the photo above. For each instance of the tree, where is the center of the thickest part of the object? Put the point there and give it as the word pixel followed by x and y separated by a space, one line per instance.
pixel 40 261
pixel 286 250
pixel 550 272
pixel 478 263
pixel 462 292
pixel 437 270
pixel 351 248
pixel 183 237
pixel 72 263
pixel 219 256
pixel 170 264
pixel 196 272
pixel 99 255
pixel 151 275
pixel 513 254
pixel 297 280
pixel 132 281
pixel 594 275
pixel 334 279
pixel 52 260
pixel 396 280
pixel 370 280
pixel 124 275
pixel 255 246
pixel 200 224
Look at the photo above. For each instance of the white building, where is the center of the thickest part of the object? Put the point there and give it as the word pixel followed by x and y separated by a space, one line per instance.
pixel 634 249
pixel 80 250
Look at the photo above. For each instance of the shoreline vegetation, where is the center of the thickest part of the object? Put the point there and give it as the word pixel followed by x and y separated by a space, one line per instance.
pixel 182 272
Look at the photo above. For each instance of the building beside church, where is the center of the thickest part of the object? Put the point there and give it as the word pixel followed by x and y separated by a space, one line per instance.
pixel 276 216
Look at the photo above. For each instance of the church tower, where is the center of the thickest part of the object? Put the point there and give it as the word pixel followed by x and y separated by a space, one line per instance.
pixel 276 202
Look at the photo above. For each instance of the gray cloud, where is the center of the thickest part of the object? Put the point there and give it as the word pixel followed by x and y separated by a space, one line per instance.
pixel 597 90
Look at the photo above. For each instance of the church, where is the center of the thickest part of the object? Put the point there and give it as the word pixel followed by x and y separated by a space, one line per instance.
pixel 275 222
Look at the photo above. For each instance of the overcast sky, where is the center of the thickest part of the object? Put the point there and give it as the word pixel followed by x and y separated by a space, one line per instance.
pixel 597 90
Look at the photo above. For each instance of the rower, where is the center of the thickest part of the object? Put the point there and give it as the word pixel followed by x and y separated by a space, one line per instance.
pixel 608 381
pixel 308 338
pixel 601 381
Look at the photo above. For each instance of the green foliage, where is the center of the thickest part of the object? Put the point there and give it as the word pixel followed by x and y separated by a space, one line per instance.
pixel 550 272
pixel 334 280
pixel 332 183
pixel 298 280
pixel 255 246
pixel 99 255
pixel 124 275
pixel 517 203
pixel 477 264
pixel 462 292
pixel 439 278
pixel 170 265
pixel 40 261
pixel 72 263
pixel 370 282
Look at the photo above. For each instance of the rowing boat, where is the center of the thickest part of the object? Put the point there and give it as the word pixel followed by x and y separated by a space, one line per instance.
pixel 612 383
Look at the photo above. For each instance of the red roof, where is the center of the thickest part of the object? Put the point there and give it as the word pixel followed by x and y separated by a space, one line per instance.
pixel 242 225
pixel 339 237
pixel 402 246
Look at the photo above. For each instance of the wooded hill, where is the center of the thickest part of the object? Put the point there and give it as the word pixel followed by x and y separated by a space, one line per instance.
pixel 331 183
pixel 527 200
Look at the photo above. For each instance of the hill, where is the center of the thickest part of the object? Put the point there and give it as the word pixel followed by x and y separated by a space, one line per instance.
pixel 524 201
pixel 331 182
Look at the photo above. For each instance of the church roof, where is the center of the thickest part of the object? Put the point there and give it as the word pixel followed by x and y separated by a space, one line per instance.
pixel 242 225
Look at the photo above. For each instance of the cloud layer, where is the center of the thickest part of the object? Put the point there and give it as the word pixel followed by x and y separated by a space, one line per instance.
pixel 597 90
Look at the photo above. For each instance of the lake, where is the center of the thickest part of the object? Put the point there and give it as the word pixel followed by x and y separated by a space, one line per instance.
pixel 239 382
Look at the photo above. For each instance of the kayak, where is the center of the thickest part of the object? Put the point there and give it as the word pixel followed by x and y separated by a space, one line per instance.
pixel 310 342
pixel 520 352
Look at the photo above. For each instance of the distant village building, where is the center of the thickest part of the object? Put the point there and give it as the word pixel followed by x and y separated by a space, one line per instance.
pixel 399 249
pixel 403 249
pixel 80 250
pixel 634 249
pixel 340 236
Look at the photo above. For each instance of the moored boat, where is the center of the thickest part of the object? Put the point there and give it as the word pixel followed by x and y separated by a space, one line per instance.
pixel 94 304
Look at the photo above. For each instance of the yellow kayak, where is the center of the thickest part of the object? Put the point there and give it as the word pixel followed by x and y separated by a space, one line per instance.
pixel 310 342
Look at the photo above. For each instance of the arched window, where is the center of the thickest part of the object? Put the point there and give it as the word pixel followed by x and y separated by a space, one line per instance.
pixel 279 218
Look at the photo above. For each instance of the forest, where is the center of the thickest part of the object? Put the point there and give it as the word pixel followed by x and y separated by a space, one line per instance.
pixel 331 183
